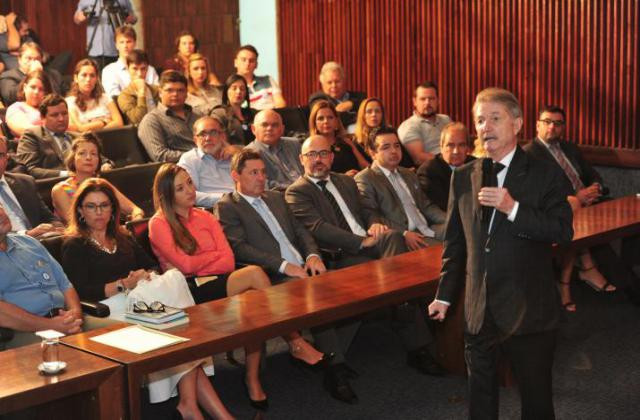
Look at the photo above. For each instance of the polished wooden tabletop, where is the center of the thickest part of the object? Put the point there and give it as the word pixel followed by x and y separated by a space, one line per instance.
pixel 606 221
pixel 22 385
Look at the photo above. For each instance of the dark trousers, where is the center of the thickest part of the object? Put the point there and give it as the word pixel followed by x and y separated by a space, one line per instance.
pixel 531 357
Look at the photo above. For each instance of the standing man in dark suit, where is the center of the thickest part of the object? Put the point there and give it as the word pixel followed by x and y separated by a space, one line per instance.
pixel 329 205
pixel 19 197
pixel 392 193
pixel 435 174
pixel 499 236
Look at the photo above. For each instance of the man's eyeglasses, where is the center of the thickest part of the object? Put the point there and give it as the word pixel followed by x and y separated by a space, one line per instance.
pixel 315 154
pixel 557 123
pixel 209 134
pixel 141 306
pixel 95 207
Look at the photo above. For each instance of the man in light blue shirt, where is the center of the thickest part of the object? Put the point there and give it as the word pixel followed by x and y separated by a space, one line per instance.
pixel 209 164
pixel 35 294
pixel 102 48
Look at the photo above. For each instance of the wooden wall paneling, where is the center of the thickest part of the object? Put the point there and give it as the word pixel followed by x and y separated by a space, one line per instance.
pixel 581 55
pixel 214 22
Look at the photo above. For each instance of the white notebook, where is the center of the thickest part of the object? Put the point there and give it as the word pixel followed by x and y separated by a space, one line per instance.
pixel 138 339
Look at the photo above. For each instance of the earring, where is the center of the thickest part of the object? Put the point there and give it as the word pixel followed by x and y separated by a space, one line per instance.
pixel 81 218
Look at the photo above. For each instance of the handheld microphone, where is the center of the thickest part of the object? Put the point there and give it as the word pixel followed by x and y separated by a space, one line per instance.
pixel 487 181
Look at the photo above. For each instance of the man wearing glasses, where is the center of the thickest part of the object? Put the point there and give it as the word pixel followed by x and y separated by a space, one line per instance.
pixel 209 163
pixel 549 144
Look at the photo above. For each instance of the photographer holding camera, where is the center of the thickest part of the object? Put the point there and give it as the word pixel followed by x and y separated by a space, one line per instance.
pixel 103 17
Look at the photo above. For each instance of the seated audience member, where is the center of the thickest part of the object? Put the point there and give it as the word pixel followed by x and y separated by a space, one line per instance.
pixel 264 91
pixel 420 133
pixel 192 241
pixel 280 154
pixel 90 109
pixel 435 174
pixel 102 260
pixel 42 150
pixel 186 44
pixel 371 117
pixel 600 262
pixel 24 114
pixel 116 76
pixel 202 96
pixel 393 194
pixel 139 97
pixel 21 202
pixel 236 118
pixel 83 162
pixel 208 164
pixel 35 294
pixel 329 205
pixel 11 41
pixel 332 79
pixel 29 59
pixel 167 131
pixel 324 121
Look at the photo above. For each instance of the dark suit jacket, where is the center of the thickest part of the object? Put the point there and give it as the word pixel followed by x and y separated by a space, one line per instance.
pixel 10 79
pixel 510 271
pixel 25 190
pixel 587 174
pixel 312 208
pixel 40 153
pixel 249 235
pixel 380 200
pixel 434 176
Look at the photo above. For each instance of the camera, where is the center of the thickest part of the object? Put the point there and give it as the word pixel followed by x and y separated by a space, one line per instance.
pixel 89 12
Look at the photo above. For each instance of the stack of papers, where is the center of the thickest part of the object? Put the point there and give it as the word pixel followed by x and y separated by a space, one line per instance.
pixel 169 318
pixel 137 339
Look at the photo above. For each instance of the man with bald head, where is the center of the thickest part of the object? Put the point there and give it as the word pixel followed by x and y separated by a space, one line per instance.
pixel 280 154
pixel 328 204
pixel 435 174
pixel 209 163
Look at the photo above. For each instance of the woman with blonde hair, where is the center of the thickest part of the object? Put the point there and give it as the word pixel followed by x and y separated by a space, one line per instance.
pixel 202 95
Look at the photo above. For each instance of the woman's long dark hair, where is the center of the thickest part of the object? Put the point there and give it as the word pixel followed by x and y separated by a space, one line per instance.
pixel 163 201
pixel 77 224
pixel 227 84
pixel 96 93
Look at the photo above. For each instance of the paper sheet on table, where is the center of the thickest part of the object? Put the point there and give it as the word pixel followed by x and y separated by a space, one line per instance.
pixel 138 339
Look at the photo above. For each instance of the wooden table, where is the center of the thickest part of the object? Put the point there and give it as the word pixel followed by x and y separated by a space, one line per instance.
pixel 90 387
pixel 257 315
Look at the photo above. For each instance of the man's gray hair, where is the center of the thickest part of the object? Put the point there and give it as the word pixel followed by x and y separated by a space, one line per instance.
pixel 501 96
pixel 331 66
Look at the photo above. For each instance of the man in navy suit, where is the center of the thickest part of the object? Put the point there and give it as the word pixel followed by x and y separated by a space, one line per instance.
pixel 504 215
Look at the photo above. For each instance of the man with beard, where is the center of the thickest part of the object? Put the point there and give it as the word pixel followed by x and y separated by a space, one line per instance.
pixel 420 133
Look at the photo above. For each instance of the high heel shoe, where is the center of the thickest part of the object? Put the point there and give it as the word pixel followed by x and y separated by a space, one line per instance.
pixel 318 366
pixel 262 405
pixel 607 287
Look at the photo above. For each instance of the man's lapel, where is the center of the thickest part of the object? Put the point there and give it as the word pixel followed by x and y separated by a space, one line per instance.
pixel 249 209
pixel 513 182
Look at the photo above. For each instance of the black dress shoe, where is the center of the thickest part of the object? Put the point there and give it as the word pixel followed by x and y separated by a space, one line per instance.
pixel 319 365
pixel 261 405
pixel 422 361
pixel 336 382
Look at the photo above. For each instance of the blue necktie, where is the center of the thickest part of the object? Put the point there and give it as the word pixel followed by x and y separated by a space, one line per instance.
pixel 12 205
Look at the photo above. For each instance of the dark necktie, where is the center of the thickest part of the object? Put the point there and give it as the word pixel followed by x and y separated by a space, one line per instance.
pixel 342 222
pixel 492 181
pixel 566 166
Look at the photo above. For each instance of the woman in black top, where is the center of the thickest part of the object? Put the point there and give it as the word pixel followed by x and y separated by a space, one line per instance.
pixel 101 260
pixel 234 112
pixel 324 121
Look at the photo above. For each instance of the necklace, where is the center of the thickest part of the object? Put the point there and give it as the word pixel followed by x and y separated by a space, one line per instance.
pixel 104 248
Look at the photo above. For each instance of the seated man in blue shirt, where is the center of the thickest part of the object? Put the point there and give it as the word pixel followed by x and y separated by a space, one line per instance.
pixel 209 164
pixel 35 294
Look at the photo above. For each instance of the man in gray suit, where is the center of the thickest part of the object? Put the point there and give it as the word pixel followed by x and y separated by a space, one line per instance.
pixel 280 154
pixel 393 194
pixel 43 150
pixel 329 206
pixel 262 230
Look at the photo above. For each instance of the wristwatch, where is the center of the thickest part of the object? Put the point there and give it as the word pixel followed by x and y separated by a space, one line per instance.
pixel 120 286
